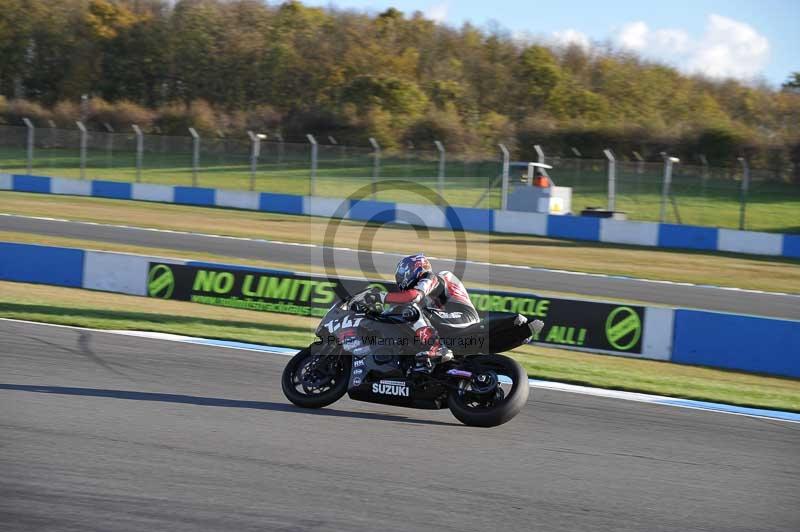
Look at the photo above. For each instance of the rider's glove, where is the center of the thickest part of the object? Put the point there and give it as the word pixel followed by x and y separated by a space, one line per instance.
pixel 373 301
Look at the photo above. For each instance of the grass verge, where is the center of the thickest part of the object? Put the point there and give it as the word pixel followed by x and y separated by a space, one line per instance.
pixel 758 273
pixel 101 310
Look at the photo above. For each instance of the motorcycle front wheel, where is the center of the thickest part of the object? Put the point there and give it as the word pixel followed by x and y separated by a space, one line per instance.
pixel 496 393
pixel 313 381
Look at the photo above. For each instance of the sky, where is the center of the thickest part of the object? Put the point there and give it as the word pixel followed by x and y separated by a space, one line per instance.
pixel 743 39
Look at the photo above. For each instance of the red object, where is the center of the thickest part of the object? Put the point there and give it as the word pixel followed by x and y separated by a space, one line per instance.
pixel 541 181
pixel 427 336
pixel 344 334
pixel 406 296
pixel 454 289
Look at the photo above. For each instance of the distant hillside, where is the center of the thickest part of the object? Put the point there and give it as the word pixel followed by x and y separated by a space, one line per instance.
pixel 230 65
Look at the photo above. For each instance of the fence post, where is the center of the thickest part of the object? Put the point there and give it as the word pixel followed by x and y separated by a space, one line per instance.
pixel 29 149
pixel 743 193
pixel 195 154
pixel 612 180
pixel 279 136
pixel 139 151
pixel 704 162
pixel 109 144
pixel 442 162
pixel 577 154
pixel 668 162
pixel 314 154
pixel 376 168
pixel 53 134
pixel 162 139
pixel 83 148
pixel 539 154
pixel 84 107
pixel 540 160
pixel 255 151
pixel 342 154
pixel 704 176
pixel 504 186
pixel 639 162
pixel 407 157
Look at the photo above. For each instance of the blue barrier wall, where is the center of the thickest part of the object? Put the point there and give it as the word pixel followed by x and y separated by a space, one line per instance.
pixel 29 263
pixel 372 211
pixel 31 183
pixel 746 343
pixel 574 227
pixel 195 196
pixel 687 237
pixel 469 219
pixel 791 246
pixel 111 189
pixel 283 203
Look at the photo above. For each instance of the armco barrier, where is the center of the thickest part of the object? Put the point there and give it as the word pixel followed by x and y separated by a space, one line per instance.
pixel 484 220
pixel 745 343
pixel 687 236
pixel 29 263
pixel 590 325
pixel 620 329
pixel 111 189
pixel 791 246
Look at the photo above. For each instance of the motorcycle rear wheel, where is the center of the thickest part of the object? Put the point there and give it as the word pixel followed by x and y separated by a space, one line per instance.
pixel 315 386
pixel 499 407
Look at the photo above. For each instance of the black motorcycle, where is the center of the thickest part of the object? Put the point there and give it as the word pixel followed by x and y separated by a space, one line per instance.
pixel 369 355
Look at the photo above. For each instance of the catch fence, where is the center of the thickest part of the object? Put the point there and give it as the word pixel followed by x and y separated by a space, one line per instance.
pixel 736 197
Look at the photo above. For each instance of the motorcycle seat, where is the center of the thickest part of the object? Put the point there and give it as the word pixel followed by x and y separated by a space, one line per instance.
pixel 490 322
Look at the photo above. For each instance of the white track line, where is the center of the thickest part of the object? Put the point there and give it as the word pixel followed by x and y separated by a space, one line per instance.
pixel 399 255
pixel 776 415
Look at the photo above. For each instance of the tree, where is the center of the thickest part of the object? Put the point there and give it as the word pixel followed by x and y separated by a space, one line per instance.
pixel 793 83
pixel 358 75
pixel 539 74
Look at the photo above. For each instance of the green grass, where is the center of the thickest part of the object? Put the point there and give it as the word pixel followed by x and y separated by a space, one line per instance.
pixel 772 206
pixel 759 273
pixel 337 176
pixel 101 310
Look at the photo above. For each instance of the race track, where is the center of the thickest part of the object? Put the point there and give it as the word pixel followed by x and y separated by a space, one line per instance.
pixel 531 279
pixel 114 433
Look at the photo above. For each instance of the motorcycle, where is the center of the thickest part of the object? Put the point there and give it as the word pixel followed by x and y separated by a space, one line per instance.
pixel 370 356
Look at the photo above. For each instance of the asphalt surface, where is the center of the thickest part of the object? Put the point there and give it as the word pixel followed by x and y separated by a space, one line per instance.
pixel 678 295
pixel 101 432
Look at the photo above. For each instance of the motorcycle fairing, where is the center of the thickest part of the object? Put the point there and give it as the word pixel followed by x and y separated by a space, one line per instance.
pixel 382 379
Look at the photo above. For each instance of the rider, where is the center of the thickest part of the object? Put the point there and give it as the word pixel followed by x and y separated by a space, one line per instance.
pixel 445 297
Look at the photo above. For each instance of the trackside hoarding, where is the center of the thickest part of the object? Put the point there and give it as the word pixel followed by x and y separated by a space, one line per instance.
pixel 573 323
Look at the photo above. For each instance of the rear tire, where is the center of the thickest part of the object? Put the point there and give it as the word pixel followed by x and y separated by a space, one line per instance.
pixel 507 408
pixel 290 380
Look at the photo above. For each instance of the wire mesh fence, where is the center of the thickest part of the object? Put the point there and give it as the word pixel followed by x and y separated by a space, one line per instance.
pixel 697 194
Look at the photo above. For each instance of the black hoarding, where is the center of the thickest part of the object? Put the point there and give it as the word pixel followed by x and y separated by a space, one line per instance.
pixel 568 322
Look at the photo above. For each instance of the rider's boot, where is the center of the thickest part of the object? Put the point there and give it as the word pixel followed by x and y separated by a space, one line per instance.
pixel 535 326
pixel 425 361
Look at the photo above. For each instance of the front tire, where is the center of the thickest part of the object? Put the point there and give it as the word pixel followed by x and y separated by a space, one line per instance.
pixel 315 381
pixel 496 407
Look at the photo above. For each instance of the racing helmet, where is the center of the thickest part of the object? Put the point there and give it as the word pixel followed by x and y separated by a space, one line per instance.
pixel 411 269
